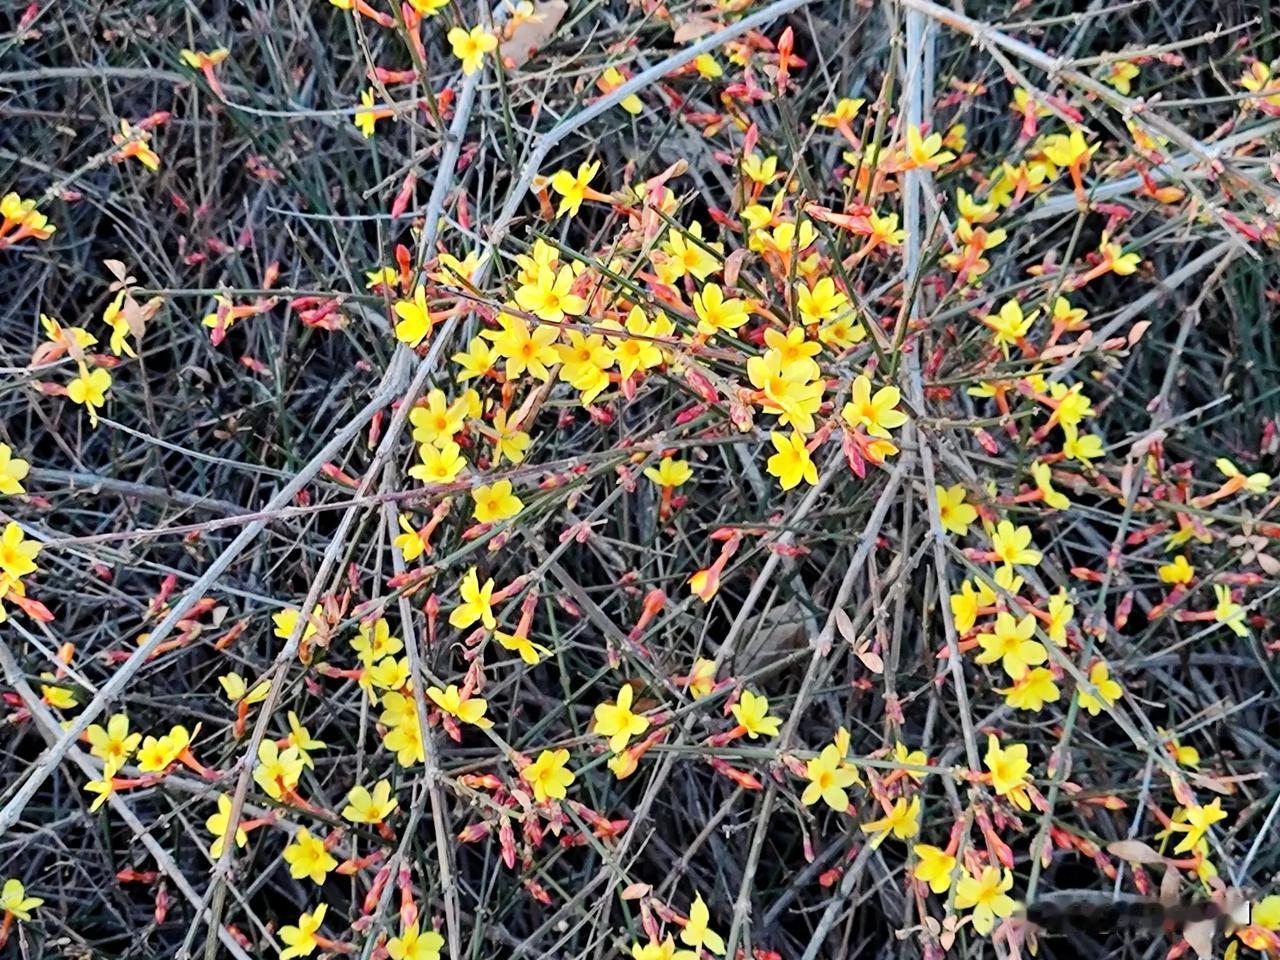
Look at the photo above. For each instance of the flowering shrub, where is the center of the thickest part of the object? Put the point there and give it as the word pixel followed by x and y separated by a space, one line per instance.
pixel 563 479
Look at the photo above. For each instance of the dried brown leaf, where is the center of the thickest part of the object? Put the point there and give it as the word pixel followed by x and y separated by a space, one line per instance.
pixel 532 32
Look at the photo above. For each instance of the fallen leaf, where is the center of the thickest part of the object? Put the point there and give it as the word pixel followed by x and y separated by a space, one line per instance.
pixel 844 625
pixel 134 317
pixel 1200 936
pixel 532 32
pixel 1134 851
pixel 1138 329
pixel 871 660
pixel 694 27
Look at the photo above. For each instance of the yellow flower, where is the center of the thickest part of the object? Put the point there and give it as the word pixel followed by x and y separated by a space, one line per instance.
pixel 763 170
pixel 791 463
pixel 1061 610
pixel 113 744
pixel 845 110
pixel 217 825
pixel 14 899
pixel 617 722
pixel 134 143
pixel 573 188
pixel 366 119
pixel 415 319
pixel 715 313
pixel 842 333
pixel 548 775
pixel 884 229
pixel 752 713
pixel 470 46
pixel 16 212
pixel 585 360
pixel 1012 545
pixel 278 770
pixel 549 297
pixel 953 511
pixel 457 271
pixel 496 502
pixel 635 352
pixel 157 753
pixel 477 602
pixel 307 857
pixel 1108 690
pixel 12 472
pixel 477 360
pixel 688 253
pixel 1083 447
pixel 666 950
pixel 1065 150
pixel 702 678
pixel 103 788
pixel 1267 912
pixel 1186 755
pixel 1179 572
pixel 1196 822
pixel 971 211
pixel 793 350
pixel 964 607
pixel 1254 482
pixel 987 896
pixel 1012 645
pixel 411 543
pixel 786 388
pixel 1009 325
pixel 670 473
pixel 708 67
pixel 508 439
pixel 1009 769
pixel 373 641
pixel 524 350
pixel 404 740
pixel 369 806
pixel 876 414
pixel 1072 406
pixel 236 689
pixel 388 673
pixel 89 390
pixel 63 698
pixel 910 758
pixel 412 945
pixel 828 778
pixel 1033 690
pixel 439 421
pixel 470 711
pixel 441 464
pixel 1228 611
pixel 286 621
pixel 934 868
pixel 300 940
pixel 528 651
pixel 610 80
pixel 903 821
pixel 1043 477
pixel 926 152
pixel 301 740
pixel 697 933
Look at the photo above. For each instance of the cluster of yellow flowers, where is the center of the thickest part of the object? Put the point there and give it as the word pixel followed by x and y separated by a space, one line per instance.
pixel 17 553
pixel 760 318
